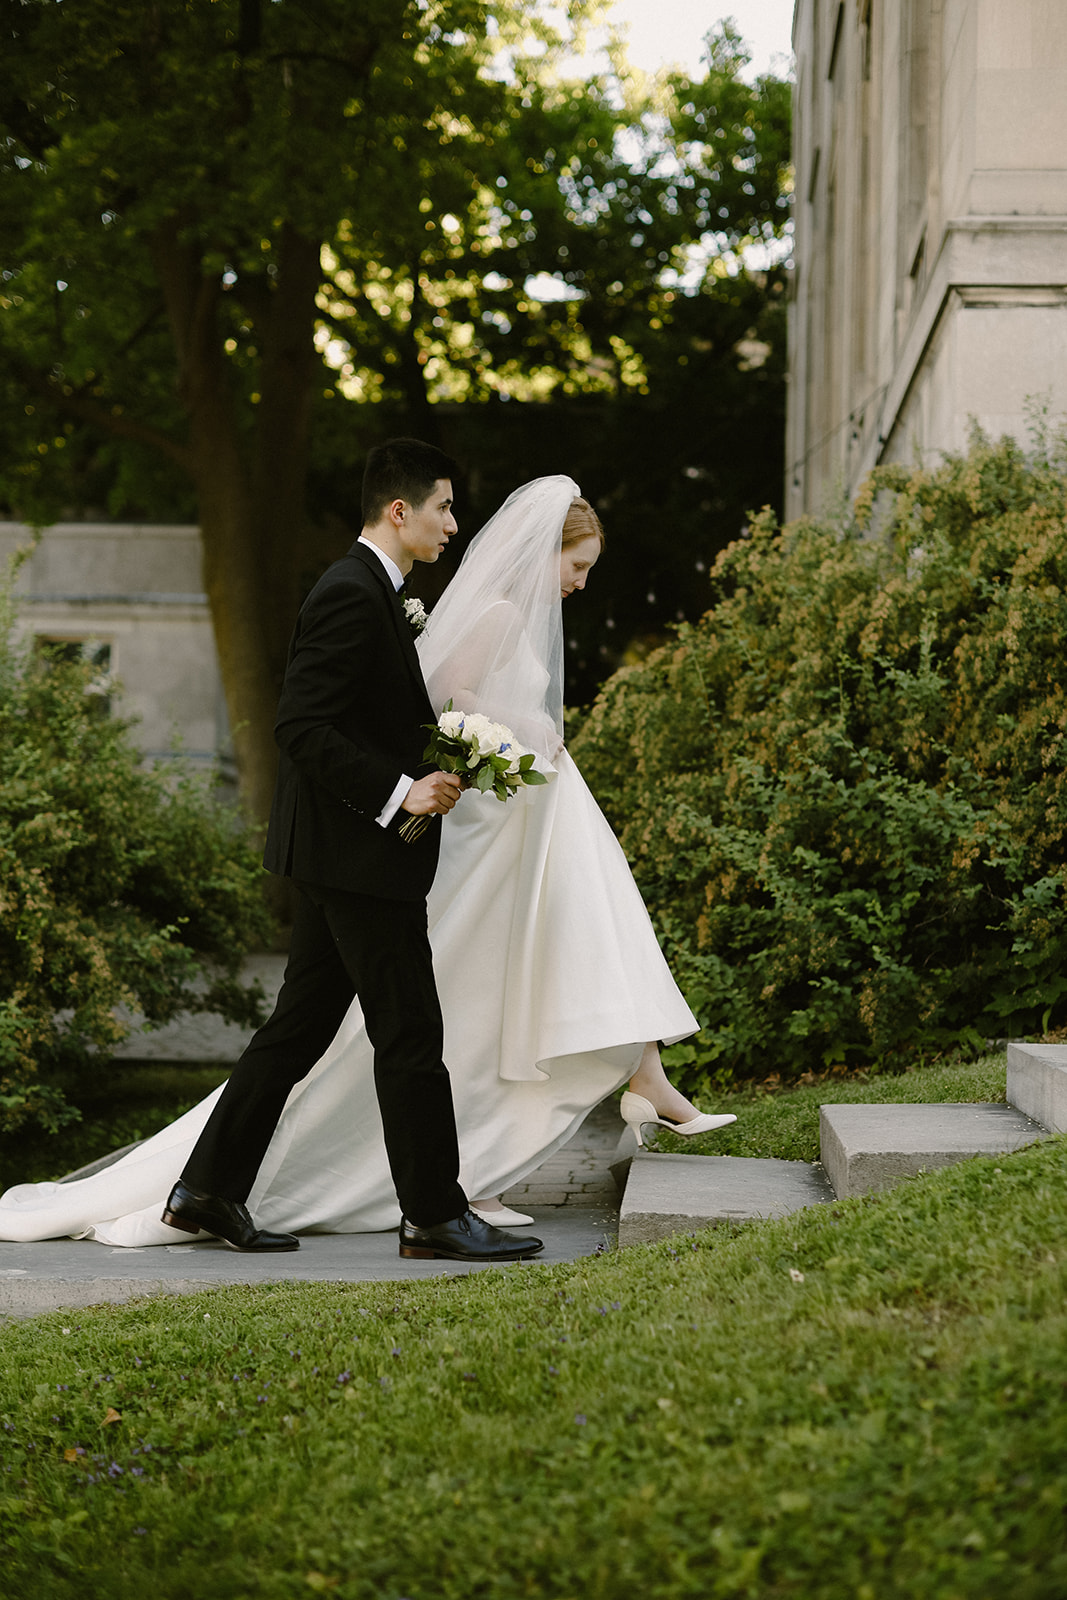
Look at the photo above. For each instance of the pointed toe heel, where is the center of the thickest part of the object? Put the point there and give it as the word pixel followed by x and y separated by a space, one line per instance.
pixel 637 1112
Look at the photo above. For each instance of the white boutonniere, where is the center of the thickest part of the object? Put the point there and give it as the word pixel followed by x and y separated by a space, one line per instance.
pixel 415 612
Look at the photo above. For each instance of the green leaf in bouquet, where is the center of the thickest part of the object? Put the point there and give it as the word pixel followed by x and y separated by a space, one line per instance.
pixel 483 778
pixel 527 761
pixel 531 778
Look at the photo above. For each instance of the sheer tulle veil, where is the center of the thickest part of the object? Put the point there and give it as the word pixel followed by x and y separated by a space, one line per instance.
pixel 494 640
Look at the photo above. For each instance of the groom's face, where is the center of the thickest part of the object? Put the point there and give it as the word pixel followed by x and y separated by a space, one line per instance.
pixel 426 529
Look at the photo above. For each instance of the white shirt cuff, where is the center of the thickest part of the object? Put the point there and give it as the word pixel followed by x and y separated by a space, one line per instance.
pixel 392 805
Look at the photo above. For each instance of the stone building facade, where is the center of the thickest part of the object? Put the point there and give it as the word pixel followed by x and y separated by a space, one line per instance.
pixel 930 146
pixel 130 599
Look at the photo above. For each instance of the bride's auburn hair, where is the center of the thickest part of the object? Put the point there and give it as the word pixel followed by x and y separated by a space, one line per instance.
pixel 581 521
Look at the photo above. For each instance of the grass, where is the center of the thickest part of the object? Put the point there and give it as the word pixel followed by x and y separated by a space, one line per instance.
pixel 120 1104
pixel 785 1122
pixel 864 1400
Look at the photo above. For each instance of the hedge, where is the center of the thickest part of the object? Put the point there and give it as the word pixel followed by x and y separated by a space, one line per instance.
pixel 843 792
pixel 122 888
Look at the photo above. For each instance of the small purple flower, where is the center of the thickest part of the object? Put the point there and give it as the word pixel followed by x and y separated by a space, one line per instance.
pixel 114 1471
pixel 579 1419
pixel 136 1472
pixel 343 1378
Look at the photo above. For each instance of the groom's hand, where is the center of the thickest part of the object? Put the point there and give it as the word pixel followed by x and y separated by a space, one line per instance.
pixel 437 792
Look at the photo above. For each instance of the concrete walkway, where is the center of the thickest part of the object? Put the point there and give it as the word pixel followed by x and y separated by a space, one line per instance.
pixel 573 1199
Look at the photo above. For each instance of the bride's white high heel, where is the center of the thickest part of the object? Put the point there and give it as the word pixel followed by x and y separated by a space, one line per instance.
pixel 637 1112
pixel 503 1217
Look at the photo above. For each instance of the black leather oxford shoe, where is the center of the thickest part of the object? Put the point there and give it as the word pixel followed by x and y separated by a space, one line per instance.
pixel 465 1238
pixel 228 1220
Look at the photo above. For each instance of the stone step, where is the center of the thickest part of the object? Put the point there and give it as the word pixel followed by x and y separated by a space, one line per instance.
pixel 667 1194
pixel 870 1147
pixel 1037 1083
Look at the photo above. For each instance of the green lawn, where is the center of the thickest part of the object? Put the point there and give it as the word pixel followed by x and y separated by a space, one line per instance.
pixel 785 1122
pixel 865 1400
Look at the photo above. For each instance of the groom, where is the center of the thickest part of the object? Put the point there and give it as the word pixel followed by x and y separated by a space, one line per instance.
pixel 351 733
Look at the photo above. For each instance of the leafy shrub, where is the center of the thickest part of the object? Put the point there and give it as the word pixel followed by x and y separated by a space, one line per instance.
pixel 844 791
pixel 120 887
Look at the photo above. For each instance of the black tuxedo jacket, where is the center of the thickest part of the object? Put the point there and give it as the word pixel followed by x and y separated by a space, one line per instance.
pixel 351 720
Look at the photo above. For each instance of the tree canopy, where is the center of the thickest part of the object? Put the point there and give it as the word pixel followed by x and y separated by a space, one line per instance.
pixel 246 240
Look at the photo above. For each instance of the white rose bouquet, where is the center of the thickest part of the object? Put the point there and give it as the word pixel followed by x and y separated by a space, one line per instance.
pixel 484 753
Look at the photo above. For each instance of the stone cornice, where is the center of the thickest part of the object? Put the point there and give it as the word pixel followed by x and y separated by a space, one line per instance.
pixel 980 262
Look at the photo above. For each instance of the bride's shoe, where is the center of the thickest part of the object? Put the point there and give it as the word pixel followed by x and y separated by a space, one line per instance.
pixel 637 1112
pixel 503 1217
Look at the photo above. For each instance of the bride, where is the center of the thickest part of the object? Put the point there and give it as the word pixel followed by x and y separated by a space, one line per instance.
pixel 551 979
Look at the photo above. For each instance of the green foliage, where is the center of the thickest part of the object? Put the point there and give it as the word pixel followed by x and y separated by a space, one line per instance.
pixel 325 222
pixel 119 887
pixel 864 1399
pixel 844 791
pixel 130 1102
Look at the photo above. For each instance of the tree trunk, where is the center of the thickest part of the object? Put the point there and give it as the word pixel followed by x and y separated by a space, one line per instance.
pixel 232 562
pixel 288 362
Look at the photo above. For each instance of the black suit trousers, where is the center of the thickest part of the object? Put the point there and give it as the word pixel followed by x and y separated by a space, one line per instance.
pixel 345 944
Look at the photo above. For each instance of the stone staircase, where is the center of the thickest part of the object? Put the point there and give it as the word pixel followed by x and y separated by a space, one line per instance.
pixel 863 1148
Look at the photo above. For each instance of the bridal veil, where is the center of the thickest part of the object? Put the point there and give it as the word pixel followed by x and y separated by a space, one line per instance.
pixel 494 641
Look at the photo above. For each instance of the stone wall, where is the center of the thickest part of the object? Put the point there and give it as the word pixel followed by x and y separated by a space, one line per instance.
pixel 132 597
pixel 931 214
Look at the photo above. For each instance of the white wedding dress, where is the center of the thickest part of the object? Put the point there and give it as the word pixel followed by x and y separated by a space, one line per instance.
pixel 551 982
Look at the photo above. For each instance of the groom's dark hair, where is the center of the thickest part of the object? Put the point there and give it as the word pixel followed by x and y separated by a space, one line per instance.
pixel 402 469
